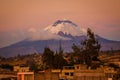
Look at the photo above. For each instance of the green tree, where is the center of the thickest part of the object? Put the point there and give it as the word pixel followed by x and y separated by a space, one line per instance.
pixel 76 49
pixel 32 64
pixel 6 66
pixel 77 55
pixel 91 47
pixel 48 57
pixel 59 61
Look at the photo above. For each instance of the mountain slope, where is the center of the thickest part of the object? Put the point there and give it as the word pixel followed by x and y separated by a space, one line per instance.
pixel 28 47
pixel 65 29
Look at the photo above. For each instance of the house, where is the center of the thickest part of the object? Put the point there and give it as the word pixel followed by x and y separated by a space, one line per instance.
pixel 67 73
pixel 21 69
pixel 81 72
pixel 48 75
pixel 102 73
pixel 109 72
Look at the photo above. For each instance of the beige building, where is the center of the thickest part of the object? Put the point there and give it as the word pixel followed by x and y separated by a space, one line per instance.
pixel 81 72
pixel 20 69
pixel 67 73
pixel 89 75
pixel 109 72
pixel 47 75
pixel 103 73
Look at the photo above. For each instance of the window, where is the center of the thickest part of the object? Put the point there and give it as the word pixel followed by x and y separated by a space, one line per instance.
pixel 71 74
pixel 77 67
pixel 67 73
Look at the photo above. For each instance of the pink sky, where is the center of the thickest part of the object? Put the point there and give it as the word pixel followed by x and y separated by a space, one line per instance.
pixel 17 16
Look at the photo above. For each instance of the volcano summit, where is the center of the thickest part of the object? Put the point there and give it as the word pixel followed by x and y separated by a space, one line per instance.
pixel 65 26
pixel 64 30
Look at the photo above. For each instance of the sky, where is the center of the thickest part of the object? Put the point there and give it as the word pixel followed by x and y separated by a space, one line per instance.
pixel 20 18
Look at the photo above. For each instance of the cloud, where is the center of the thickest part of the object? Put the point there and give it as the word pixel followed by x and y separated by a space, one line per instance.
pixel 9 38
pixel 35 34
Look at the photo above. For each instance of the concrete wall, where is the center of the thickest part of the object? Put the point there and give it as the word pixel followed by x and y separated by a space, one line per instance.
pixel 8 77
pixel 47 75
pixel 90 78
pixel 89 75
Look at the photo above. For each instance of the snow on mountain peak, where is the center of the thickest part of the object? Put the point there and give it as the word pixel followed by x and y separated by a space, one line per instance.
pixel 65 26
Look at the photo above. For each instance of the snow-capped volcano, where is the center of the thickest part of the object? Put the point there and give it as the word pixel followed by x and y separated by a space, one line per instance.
pixel 65 26
pixel 64 30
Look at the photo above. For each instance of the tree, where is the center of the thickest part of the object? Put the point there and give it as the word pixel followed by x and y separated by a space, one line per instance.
pixel 48 57
pixel 6 66
pixel 76 49
pixel 32 64
pixel 91 47
pixel 59 61
pixel 77 55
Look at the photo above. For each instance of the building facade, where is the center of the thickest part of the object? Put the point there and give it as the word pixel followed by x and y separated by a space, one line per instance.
pixel 21 69
pixel 25 76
